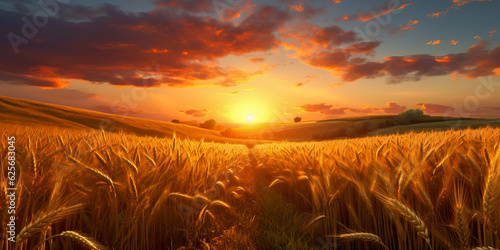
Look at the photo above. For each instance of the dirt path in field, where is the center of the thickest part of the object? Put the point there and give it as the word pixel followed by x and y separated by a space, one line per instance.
pixel 243 235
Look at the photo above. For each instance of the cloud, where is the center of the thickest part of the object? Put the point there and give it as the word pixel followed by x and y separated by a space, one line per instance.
pixel 235 11
pixel 341 52
pixel 330 110
pixel 41 82
pixel 493 31
pixel 193 6
pixel 318 46
pixel 257 60
pixel 409 26
pixel 196 112
pixel 298 85
pixel 235 76
pixel 439 109
pixel 387 8
pixel 162 47
pixel 456 4
pixel 478 38
pixel 434 42
pixel 297 7
pixel 476 62
pixel 432 108
pixel 454 42
pixel 72 94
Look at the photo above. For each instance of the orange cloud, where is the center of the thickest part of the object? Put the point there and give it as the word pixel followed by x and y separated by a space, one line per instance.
pixel 454 42
pixel 336 1
pixel 493 31
pixel 297 7
pixel 368 17
pixel 236 10
pixel 298 85
pixel 257 60
pixel 477 37
pixel 377 12
pixel 456 4
pixel 409 26
pixel 431 42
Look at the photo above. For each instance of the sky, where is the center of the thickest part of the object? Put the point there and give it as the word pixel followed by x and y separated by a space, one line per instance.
pixel 229 60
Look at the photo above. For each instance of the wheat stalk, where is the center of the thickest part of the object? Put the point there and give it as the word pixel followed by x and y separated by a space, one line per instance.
pixel 46 220
pixel 96 173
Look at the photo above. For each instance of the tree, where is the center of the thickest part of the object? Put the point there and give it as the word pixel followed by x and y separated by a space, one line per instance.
pixel 176 121
pixel 297 119
pixel 410 116
pixel 208 124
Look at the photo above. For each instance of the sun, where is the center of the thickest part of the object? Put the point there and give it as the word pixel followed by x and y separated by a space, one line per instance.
pixel 250 111
pixel 250 118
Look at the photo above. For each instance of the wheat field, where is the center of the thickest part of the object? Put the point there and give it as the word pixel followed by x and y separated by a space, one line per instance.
pixel 89 189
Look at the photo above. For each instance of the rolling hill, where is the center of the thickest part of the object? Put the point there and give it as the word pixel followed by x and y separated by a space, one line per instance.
pixel 20 111
pixel 25 112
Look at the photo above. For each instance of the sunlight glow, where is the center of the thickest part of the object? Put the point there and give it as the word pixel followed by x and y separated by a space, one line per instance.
pixel 250 118
pixel 251 111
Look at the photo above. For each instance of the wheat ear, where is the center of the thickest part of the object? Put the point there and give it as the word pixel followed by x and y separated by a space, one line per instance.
pixel 46 220
pixel 368 237
pixel 82 240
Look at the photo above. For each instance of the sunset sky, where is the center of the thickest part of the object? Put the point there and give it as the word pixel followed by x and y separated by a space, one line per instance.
pixel 228 59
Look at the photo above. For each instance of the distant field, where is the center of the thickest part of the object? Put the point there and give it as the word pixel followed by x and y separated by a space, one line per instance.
pixel 26 112
pixel 307 131
pixel 438 126
pixel 302 131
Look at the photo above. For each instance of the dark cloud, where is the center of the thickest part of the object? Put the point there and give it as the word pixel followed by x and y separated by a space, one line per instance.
pixel 194 6
pixel 476 62
pixel 328 109
pixel 459 110
pixel 42 82
pixel 149 49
